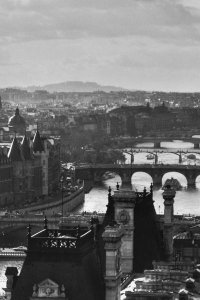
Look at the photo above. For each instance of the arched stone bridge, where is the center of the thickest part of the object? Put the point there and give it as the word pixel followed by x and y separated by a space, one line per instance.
pixel 131 141
pixel 93 173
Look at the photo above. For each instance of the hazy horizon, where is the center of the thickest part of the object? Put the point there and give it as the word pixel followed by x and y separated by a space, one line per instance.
pixel 115 86
pixel 151 45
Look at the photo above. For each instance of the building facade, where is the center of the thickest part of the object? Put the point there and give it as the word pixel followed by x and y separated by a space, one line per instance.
pixel 29 169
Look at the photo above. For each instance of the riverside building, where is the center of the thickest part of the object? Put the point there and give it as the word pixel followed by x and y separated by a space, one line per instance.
pixel 29 169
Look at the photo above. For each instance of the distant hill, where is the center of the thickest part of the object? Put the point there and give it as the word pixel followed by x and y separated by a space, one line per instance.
pixel 75 86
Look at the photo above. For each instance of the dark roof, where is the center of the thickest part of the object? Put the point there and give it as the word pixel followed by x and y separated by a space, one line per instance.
pixel 37 143
pixel 26 151
pixel 14 153
pixel 62 260
pixel 81 279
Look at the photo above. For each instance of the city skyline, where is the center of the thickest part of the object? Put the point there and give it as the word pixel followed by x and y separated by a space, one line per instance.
pixel 137 44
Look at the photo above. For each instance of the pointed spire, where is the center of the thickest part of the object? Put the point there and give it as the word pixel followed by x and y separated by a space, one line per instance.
pixel 45 223
pixel 14 153
pixel 26 151
pixel 29 231
pixel 37 142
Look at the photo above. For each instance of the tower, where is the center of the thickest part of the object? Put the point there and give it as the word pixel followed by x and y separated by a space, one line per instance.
pixel 168 196
pixel 112 238
pixel 28 167
pixel 124 203
pixel 42 154
pixel 16 158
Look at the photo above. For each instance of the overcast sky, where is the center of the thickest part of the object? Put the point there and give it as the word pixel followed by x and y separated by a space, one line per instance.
pixel 137 44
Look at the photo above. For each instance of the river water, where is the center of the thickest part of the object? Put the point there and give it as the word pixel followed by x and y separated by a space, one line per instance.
pixel 186 201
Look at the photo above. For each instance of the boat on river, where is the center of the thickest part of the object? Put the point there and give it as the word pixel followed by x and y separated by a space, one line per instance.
pixel 150 156
pixel 174 183
pixel 191 156
pixel 108 175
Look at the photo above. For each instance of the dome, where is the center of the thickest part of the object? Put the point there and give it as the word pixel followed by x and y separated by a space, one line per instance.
pixel 17 121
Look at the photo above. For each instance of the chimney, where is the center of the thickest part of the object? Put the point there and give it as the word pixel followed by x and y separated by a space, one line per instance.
pixel 11 274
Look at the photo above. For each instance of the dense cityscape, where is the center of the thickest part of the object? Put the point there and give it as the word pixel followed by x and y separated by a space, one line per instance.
pixel 99 150
pixel 55 148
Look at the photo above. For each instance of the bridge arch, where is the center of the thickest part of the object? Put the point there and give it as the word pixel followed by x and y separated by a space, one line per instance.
pixel 197 182
pixel 182 179
pixel 170 157
pixel 141 179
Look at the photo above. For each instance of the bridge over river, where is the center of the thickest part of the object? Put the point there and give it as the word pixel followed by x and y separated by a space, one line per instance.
pixel 92 173
pixel 164 150
pixel 22 221
pixel 156 141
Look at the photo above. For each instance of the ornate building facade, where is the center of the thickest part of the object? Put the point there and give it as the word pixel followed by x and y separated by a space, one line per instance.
pixel 28 170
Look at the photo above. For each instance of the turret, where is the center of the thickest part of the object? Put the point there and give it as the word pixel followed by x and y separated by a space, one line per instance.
pixel 37 142
pixel 41 153
pixel 26 151
pixel 14 153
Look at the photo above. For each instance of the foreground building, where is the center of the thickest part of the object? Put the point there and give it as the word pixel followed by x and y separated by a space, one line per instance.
pixel 94 261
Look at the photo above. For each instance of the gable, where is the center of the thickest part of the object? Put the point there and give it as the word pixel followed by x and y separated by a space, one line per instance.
pixel 48 289
pixel 48 282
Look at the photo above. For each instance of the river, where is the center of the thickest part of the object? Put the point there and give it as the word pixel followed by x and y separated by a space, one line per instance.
pixel 186 201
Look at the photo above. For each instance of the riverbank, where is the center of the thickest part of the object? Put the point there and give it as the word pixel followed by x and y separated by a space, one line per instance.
pixel 67 204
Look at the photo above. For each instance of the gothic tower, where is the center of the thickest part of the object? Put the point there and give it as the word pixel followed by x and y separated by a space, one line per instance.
pixel 16 158
pixel 41 152
pixel 28 167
